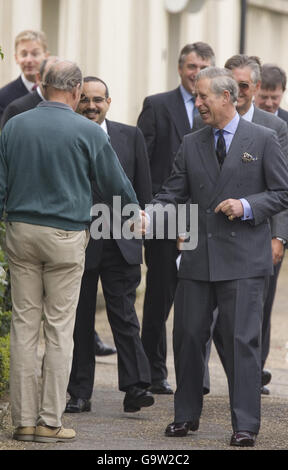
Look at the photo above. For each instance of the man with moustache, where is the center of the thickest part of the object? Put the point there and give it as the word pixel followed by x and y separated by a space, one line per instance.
pixel 30 51
pixel 164 120
pixel 237 174
pixel 117 263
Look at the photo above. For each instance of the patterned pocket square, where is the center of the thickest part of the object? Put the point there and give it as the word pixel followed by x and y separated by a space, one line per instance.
pixel 247 158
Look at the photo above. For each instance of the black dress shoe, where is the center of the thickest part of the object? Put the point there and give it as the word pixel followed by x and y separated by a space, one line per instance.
pixel 161 388
pixel 102 349
pixel 77 405
pixel 265 390
pixel 266 377
pixel 181 429
pixel 136 398
pixel 243 439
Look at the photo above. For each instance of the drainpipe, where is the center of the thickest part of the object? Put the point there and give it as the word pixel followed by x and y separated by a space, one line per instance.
pixel 243 26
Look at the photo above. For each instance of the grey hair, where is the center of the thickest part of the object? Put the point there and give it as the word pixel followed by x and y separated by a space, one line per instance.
pixel 241 61
pixel 221 80
pixel 63 75
pixel 202 49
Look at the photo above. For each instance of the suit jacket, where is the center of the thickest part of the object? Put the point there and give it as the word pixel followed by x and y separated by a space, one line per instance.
pixel 164 122
pixel 282 114
pixel 20 105
pixel 229 250
pixel 11 92
pixel 129 145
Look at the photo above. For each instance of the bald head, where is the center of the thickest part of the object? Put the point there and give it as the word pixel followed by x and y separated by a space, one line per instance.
pixel 62 81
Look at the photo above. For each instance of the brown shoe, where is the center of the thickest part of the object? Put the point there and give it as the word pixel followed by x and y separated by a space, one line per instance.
pixel 48 434
pixel 24 433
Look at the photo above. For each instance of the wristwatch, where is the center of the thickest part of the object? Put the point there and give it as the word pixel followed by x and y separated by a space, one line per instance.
pixel 281 240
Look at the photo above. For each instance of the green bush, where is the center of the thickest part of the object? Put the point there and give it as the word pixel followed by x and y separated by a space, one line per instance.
pixel 5 315
pixel 4 363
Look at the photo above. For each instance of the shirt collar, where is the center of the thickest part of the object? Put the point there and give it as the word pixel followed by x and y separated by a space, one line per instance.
pixel 232 125
pixel 249 115
pixel 185 95
pixel 104 126
pixel 38 89
pixel 29 85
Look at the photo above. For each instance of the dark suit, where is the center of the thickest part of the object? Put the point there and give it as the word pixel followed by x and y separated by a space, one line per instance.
pixel 20 105
pixel 117 263
pixel 11 92
pixel 164 122
pixel 283 114
pixel 228 267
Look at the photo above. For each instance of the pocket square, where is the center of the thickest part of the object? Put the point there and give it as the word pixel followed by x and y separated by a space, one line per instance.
pixel 247 158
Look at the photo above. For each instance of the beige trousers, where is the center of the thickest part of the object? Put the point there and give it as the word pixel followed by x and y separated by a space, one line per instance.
pixel 46 266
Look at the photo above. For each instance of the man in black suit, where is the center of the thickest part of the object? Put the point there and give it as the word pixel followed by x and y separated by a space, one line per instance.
pixel 117 263
pixel 164 120
pixel 30 51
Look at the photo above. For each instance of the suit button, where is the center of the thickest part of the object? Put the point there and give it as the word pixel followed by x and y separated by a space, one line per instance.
pixel 233 234
pixel 209 235
pixel 201 186
pixel 208 211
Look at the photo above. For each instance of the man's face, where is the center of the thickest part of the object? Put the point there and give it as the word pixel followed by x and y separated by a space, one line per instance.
pixel 269 100
pixel 212 107
pixel 93 102
pixel 189 69
pixel 29 56
pixel 247 89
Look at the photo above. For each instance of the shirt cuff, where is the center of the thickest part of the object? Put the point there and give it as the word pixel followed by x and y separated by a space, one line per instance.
pixel 248 214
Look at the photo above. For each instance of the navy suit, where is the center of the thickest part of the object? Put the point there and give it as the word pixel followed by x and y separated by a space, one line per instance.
pixel 11 92
pixel 117 263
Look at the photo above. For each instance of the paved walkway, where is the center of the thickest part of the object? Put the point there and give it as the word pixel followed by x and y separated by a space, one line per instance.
pixel 107 427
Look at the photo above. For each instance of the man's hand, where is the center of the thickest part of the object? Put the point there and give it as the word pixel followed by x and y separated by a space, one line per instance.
pixel 277 251
pixel 231 207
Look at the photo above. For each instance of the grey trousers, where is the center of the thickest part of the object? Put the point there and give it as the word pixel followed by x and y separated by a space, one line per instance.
pixel 240 305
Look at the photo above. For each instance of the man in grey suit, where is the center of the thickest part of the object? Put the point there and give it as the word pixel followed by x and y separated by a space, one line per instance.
pixel 246 70
pixel 236 190
pixel 249 76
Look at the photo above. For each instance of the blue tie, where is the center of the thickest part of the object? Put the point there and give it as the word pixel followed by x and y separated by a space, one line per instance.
pixel 195 111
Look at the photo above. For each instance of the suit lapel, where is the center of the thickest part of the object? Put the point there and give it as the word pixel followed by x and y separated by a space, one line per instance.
pixel 240 143
pixel 178 113
pixel 118 139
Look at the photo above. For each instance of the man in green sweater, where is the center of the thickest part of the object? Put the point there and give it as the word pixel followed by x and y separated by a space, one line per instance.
pixel 48 157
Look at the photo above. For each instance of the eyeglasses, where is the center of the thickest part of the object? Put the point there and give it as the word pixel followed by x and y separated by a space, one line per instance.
pixel 244 85
pixel 95 99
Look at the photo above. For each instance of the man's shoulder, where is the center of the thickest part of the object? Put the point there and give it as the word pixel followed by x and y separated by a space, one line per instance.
pixel 16 84
pixel 267 119
pixel 163 97
pixel 283 114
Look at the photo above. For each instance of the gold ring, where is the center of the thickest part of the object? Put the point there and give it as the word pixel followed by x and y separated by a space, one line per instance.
pixel 231 217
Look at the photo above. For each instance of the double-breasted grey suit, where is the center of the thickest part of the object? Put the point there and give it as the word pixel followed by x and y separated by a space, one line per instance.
pixel 229 265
